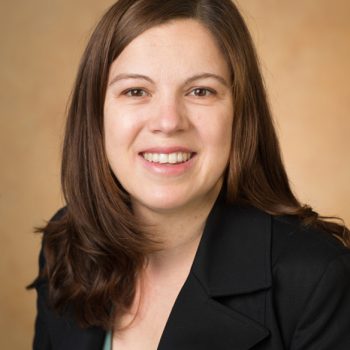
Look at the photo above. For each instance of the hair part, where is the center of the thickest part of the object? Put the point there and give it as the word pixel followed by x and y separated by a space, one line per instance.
pixel 96 249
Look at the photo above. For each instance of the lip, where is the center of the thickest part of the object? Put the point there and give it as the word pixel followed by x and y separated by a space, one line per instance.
pixel 167 150
pixel 168 169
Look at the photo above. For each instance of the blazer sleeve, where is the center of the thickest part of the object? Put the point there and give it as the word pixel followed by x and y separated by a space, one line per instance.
pixel 41 339
pixel 325 323
pixel 41 334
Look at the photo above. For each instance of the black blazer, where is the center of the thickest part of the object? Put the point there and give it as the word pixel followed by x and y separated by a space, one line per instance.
pixel 257 282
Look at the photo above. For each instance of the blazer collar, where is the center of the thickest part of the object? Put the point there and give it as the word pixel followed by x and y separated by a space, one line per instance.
pixel 234 253
pixel 232 261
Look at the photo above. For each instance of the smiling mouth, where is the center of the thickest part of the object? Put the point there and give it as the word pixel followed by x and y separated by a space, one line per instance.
pixel 168 158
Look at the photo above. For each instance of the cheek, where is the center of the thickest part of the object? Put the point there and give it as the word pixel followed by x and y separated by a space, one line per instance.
pixel 116 145
pixel 218 136
pixel 121 130
pixel 221 148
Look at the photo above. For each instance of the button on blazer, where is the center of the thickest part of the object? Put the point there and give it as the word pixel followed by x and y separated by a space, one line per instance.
pixel 257 282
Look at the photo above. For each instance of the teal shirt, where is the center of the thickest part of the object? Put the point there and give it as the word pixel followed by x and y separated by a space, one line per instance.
pixel 108 341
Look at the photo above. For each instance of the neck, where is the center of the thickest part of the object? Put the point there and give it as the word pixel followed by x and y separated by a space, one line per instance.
pixel 179 231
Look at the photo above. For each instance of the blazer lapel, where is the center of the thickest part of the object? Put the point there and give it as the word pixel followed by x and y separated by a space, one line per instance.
pixel 67 335
pixel 87 339
pixel 222 303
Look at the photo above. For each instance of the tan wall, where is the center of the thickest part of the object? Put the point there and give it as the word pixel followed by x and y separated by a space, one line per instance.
pixel 305 50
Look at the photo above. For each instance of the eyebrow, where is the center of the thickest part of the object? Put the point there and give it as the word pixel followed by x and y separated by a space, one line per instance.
pixel 219 78
pixel 130 76
pixel 122 76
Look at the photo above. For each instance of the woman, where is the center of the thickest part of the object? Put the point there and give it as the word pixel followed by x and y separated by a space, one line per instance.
pixel 181 230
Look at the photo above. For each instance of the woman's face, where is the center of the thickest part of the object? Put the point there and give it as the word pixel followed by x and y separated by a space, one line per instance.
pixel 168 117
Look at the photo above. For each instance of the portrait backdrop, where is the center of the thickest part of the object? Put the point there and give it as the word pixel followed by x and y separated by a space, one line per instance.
pixel 304 50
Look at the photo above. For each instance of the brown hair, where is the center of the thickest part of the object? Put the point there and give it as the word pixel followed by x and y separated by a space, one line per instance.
pixel 95 250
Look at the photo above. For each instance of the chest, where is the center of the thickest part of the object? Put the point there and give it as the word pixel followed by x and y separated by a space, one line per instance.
pixel 144 325
pixel 144 333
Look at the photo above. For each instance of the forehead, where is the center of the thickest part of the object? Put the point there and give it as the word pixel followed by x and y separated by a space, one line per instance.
pixel 180 47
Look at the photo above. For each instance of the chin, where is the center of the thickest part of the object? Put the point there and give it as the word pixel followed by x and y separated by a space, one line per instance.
pixel 160 202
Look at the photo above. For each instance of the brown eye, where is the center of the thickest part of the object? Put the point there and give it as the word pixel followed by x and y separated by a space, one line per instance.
pixel 135 92
pixel 202 92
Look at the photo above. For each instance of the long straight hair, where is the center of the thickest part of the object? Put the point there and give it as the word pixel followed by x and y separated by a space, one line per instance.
pixel 96 248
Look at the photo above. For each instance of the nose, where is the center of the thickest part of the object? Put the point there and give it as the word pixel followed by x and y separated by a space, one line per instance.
pixel 169 116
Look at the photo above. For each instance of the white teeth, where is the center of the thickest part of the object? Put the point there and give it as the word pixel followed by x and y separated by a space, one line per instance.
pixel 163 158
pixel 172 158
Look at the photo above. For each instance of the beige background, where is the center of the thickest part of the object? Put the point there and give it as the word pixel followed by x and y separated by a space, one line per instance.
pixel 305 53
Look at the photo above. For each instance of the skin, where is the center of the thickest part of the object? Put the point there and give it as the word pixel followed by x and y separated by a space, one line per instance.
pixel 164 110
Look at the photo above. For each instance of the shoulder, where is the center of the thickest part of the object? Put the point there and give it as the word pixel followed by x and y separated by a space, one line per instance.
pixel 310 269
pixel 59 214
pixel 303 248
pixel 304 271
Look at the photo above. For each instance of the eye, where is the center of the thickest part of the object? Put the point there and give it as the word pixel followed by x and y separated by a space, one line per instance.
pixel 202 92
pixel 135 92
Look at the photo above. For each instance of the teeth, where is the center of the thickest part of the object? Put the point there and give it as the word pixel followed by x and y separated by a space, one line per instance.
pixel 154 157
pixel 170 158
pixel 163 158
